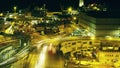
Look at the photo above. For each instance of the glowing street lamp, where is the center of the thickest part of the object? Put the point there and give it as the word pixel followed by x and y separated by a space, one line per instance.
pixel 15 8
pixel 1 14
pixel 69 9
pixel 74 18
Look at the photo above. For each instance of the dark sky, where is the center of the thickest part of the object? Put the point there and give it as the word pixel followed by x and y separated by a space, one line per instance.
pixel 52 5
pixel 112 4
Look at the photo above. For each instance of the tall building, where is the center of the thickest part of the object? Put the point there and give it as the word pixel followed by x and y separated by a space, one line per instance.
pixel 81 3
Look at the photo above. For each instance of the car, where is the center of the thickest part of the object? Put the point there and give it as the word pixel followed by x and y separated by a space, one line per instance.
pixel 51 49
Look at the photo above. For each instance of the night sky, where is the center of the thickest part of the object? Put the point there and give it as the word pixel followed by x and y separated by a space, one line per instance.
pixel 52 5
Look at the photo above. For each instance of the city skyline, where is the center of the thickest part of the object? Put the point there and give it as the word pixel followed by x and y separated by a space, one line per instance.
pixel 52 5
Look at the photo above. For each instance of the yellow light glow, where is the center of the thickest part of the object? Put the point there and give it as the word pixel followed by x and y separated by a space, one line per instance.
pixel 9 30
pixel 74 18
pixel 93 37
pixel 109 37
pixel 15 17
pixel 14 7
pixel 98 9
pixel 110 47
pixel 1 14
pixel 92 5
pixel 41 61
pixel 95 7
pixel 69 9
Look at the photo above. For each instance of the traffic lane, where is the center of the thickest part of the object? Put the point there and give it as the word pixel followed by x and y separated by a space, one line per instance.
pixel 44 57
pixel 48 58
pixel 30 60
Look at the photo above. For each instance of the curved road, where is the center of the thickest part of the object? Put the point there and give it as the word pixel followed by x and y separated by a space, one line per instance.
pixel 44 56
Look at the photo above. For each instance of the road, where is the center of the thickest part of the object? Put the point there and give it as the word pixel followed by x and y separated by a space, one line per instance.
pixel 41 57
pixel 44 56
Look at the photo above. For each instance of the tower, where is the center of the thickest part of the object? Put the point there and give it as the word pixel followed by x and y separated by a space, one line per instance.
pixel 81 3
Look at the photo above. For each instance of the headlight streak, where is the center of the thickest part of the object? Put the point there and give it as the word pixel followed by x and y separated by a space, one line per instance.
pixel 41 60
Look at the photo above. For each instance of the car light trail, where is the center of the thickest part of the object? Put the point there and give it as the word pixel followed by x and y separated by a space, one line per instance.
pixel 41 61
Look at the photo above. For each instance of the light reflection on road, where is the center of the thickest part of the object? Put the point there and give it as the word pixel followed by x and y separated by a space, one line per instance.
pixel 42 57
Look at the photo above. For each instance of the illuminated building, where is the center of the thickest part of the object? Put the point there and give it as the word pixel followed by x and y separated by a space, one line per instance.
pixel 101 23
pixel 39 12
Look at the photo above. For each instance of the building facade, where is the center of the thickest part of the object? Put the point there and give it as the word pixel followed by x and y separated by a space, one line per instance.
pixel 100 26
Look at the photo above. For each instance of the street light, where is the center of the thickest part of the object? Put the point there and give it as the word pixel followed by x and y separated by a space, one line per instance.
pixel 15 8
pixel 1 14
pixel 69 9
pixel 74 18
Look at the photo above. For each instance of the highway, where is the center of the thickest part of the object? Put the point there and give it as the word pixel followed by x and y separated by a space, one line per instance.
pixel 44 56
